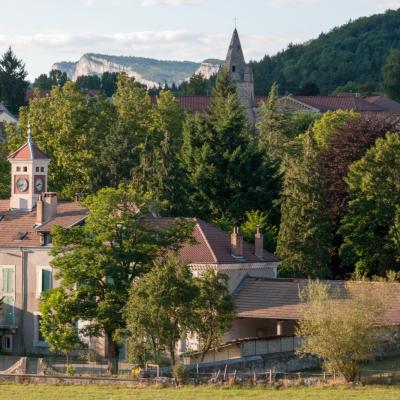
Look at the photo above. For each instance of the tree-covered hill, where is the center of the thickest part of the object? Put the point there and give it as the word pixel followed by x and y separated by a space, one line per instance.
pixel 348 55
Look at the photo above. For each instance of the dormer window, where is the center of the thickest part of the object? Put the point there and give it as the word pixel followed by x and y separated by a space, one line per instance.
pixel 233 68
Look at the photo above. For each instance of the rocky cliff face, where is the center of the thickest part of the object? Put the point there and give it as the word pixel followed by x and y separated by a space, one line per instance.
pixel 149 72
pixel 90 64
pixel 208 68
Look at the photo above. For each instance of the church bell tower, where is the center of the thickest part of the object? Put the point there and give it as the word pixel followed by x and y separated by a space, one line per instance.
pixel 242 75
pixel 29 169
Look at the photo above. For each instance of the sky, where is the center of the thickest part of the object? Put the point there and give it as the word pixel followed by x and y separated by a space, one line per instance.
pixel 42 32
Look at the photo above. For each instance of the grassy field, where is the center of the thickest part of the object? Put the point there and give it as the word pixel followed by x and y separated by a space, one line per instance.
pixel 92 392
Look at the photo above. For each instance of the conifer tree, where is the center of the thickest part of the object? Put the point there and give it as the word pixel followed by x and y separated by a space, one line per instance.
pixel 12 81
pixel 227 173
pixel 271 125
pixel 160 171
pixel 305 234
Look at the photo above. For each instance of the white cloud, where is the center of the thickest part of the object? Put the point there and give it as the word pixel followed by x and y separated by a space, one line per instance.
pixel 388 4
pixel 149 3
pixel 89 3
pixel 287 3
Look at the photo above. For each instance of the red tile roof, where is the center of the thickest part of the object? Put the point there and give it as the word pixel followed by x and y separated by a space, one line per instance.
pixel 14 221
pixel 279 298
pixel 28 152
pixel 213 246
pixel 194 103
pixel 332 103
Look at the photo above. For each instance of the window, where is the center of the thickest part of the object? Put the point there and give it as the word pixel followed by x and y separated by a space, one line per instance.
pixel 37 169
pixel 233 68
pixel 18 169
pixel 8 280
pixel 44 280
pixel 41 169
pixel 7 291
pixel 25 169
pixel 6 343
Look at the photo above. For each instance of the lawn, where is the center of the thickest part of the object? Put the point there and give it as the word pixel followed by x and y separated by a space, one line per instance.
pixel 10 391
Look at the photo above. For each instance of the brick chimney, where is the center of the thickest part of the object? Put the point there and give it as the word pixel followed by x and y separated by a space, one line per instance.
pixel 236 243
pixel 50 206
pixel 39 211
pixel 258 243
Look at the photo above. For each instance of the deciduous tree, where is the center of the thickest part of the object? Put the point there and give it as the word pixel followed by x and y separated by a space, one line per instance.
pixel 160 309
pixel 57 322
pixel 371 226
pixel 213 309
pixel 97 263
pixel 339 325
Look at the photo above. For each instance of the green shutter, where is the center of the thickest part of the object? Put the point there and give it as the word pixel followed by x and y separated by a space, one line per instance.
pixel 8 310
pixel 46 280
pixel 8 281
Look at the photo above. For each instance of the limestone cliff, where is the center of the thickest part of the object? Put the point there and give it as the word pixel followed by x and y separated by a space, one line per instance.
pixel 147 71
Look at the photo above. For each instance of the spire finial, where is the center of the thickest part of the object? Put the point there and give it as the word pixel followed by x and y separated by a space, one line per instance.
pixel 29 133
pixel 235 19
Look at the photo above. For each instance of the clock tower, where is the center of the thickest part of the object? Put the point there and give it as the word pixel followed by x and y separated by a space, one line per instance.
pixel 29 169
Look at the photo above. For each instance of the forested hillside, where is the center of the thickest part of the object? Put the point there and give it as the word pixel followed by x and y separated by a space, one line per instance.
pixel 350 55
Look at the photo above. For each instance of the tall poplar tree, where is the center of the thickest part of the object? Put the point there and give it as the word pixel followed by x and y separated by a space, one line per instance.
pixel 305 233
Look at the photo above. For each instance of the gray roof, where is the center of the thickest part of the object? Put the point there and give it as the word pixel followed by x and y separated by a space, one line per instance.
pixel 235 57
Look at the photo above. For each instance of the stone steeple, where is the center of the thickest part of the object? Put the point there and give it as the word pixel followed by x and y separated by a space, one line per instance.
pixel 242 75
pixel 235 59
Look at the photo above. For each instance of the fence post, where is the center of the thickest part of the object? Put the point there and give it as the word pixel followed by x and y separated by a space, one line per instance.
pixel 234 376
pixel 226 367
pixel 197 371
pixel 254 378
pixel 270 376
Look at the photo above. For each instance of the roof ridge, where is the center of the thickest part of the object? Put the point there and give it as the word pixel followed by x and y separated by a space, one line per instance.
pixel 198 220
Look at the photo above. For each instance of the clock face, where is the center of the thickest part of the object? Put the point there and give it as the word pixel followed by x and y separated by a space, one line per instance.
pixel 39 184
pixel 22 184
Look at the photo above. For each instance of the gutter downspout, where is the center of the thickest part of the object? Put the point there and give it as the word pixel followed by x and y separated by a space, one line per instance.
pixel 24 299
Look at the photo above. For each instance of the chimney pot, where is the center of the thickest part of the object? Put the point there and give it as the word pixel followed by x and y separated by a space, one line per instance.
pixel 50 205
pixel 39 211
pixel 236 243
pixel 258 243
